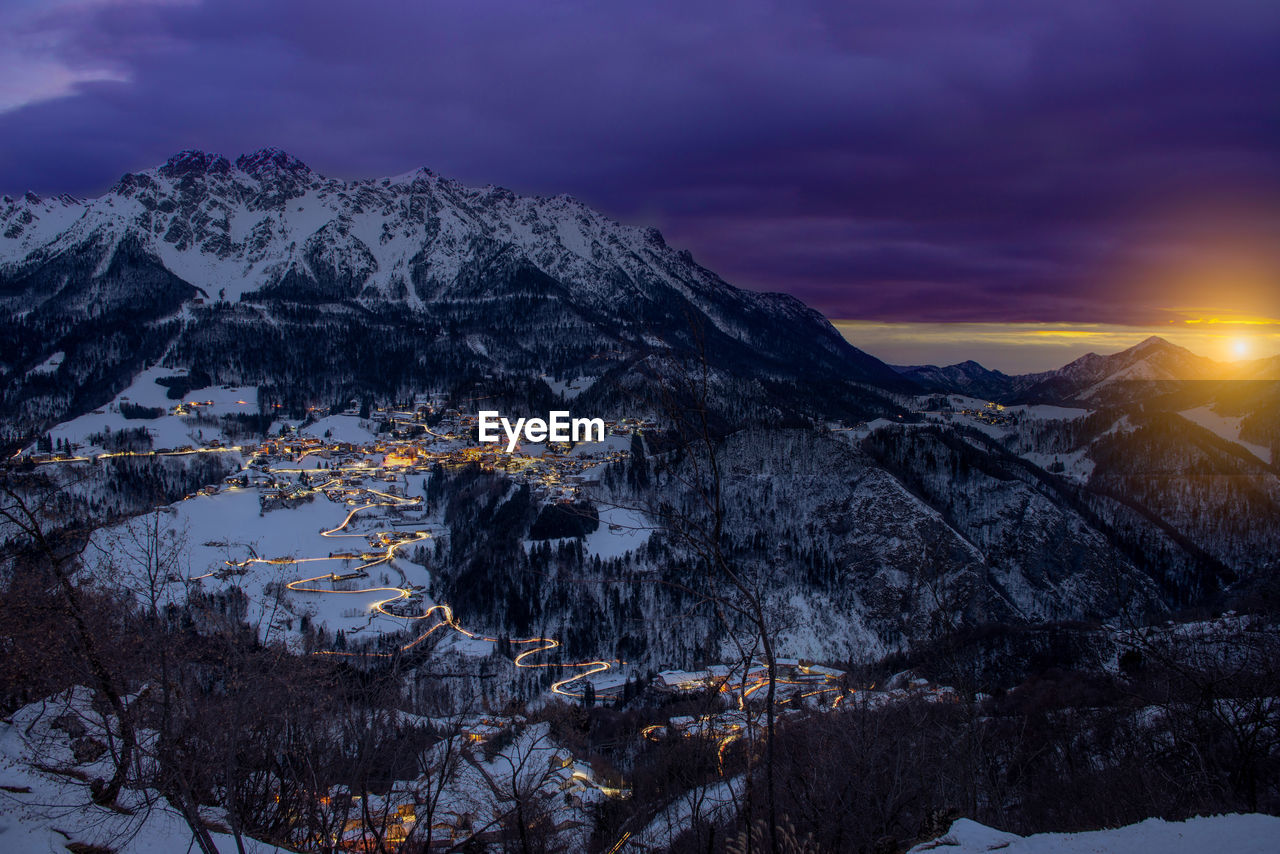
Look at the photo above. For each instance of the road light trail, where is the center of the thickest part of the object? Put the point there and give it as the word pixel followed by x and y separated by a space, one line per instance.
pixel 117 454
pixel 444 612
pixel 445 617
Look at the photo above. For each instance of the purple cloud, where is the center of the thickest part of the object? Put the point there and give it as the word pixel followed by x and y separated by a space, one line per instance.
pixel 897 160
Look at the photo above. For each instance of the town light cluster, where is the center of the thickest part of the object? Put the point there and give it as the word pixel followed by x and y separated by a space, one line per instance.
pixel 557 427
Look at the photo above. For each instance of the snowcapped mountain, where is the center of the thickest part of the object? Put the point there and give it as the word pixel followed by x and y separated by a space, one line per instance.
pixel 1094 377
pixel 269 224
pixel 1091 379
pixel 211 263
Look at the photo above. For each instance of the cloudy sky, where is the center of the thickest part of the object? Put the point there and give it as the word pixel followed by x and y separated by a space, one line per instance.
pixel 1097 161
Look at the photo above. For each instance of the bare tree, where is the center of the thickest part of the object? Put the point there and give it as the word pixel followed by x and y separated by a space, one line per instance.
pixel 437 762
pixel 699 523
pixel 520 780
pixel 60 553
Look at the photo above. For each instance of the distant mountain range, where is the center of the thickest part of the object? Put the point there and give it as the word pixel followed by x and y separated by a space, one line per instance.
pixel 1153 366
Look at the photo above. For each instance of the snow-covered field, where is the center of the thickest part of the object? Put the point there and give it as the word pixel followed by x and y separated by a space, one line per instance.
pixel 1076 465
pixel 621 530
pixel 569 389
pixel 47 811
pixel 340 428
pixel 1226 427
pixel 167 431
pixel 1046 411
pixel 282 546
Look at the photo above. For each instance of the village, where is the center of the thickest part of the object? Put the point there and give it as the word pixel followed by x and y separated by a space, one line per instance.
pixel 383 443
pixel 362 459
pixel 554 471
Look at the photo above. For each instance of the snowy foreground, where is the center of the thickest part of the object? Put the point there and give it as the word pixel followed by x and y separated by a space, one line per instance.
pixel 51 750
pixel 44 810
pixel 1228 834
pixel 48 809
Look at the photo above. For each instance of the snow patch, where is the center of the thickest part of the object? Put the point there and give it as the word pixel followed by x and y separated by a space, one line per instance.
pixel 1238 834
pixel 50 365
pixel 341 428
pixel 1226 427
pixel 569 389
pixel 621 530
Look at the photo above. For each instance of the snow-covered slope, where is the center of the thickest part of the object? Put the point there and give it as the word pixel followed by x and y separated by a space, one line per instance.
pixel 48 752
pixel 1229 834
pixel 1154 360
pixel 237 227
pixel 1225 426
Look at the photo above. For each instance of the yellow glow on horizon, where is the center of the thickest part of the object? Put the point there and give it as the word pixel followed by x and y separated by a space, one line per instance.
pixel 1227 319
pixel 1064 333
pixel 1029 347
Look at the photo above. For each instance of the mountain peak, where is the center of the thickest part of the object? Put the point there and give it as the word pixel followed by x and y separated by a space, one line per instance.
pixel 1158 347
pixel 194 162
pixel 1153 345
pixel 1154 342
pixel 269 160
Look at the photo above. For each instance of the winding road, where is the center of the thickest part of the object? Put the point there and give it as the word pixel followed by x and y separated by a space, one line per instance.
pixel 443 613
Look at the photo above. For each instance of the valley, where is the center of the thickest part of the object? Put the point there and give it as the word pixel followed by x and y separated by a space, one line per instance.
pixel 258 534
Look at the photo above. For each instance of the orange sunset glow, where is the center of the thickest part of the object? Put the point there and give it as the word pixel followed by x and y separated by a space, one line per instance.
pixel 1029 347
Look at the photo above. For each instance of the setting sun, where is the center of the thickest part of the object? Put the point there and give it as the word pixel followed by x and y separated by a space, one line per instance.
pixel 1240 347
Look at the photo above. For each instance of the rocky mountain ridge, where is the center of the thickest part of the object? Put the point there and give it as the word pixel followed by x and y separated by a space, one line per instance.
pixel 466 284
pixel 1092 379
